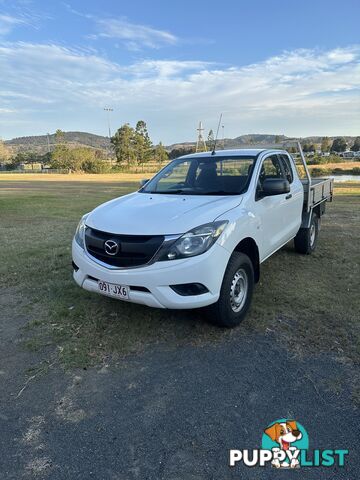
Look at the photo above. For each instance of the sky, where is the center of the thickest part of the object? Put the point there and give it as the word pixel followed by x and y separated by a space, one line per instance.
pixel 269 66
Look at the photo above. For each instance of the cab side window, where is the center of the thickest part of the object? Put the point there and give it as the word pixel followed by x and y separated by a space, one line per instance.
pixel 271 168
pixel 287 168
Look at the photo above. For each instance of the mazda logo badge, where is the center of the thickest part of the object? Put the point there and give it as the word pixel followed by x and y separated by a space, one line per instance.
pixel 111 247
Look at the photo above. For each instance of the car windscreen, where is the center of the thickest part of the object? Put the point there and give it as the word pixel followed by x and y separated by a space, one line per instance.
pixel 203 176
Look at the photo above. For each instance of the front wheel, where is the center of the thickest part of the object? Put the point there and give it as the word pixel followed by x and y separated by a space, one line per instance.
pixel 306 238
pixel 235 294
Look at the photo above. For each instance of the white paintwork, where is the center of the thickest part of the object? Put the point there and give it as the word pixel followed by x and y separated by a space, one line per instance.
pixel 151 214
pixel 207 268
pixel 270 221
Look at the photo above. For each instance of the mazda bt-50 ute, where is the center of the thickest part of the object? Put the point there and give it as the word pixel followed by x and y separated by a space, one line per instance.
pixel 196 233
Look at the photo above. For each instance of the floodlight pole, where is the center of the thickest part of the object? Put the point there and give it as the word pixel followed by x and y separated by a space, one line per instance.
pixel 108 110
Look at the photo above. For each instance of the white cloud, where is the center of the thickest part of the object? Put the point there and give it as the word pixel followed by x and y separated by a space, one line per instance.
pixel 296 93
pixel 6 110
pixel 134 36
pixel 8 22
pixel 166 68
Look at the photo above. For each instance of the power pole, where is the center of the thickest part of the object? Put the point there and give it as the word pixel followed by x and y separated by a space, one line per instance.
pixel 223 138
pixel 108 110
pixel 200 144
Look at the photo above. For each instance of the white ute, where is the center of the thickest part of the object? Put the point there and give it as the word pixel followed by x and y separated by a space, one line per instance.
pixel 196 233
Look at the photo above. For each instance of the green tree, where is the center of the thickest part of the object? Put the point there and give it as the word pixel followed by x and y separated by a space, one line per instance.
pixel 210 139
pixel 75 159
pixel 5 153
pixel 309 147
pixel 124 144
pixel 178 152
pixel 60 157
pixel 339 145
pixel 26 158
pixel 356 146
pixel 325 145
pixel 78 159
pixel 160 154
pixel 59 136
pixel 142 143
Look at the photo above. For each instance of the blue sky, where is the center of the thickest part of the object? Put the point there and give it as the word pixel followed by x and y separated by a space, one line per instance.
pixel 272 66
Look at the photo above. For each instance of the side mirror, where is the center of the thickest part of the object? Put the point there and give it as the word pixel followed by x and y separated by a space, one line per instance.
pixel 143 182
pixel 275 186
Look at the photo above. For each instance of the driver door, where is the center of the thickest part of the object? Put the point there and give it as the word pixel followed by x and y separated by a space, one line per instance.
pixel 272 210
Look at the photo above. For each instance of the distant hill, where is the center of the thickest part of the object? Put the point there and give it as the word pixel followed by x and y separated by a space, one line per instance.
pixel 257 140
pixel 39 143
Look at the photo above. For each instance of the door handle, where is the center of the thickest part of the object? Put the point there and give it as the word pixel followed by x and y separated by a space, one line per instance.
pixel 288 196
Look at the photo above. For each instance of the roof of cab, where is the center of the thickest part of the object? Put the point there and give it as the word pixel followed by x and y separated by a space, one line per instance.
pixel 251 152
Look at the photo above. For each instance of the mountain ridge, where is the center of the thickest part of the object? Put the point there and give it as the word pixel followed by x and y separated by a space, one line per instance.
pixel 40 143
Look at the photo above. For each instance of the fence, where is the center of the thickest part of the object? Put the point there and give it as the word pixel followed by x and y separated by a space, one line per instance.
pixel 149 167
pixel 44 170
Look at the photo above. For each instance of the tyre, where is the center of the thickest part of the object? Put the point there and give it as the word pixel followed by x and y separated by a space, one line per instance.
pixel 306 238
pixel 235 294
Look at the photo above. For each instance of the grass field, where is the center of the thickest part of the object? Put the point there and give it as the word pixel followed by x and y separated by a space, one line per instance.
pixel 311 302
pixel 342 166
pixel 347 168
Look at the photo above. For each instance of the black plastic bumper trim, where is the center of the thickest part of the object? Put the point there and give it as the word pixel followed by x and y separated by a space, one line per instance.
pixel 74 266
pixel 189 289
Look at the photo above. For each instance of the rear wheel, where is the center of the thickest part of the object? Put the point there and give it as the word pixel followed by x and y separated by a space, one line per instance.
pixel 306 238
pixel 235 294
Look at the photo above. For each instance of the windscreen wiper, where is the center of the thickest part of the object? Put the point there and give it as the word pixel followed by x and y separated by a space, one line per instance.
pixel 170 192
pixel 187 192
pixel 220 192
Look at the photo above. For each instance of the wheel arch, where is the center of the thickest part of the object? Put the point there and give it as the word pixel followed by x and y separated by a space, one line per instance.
pixel 250 248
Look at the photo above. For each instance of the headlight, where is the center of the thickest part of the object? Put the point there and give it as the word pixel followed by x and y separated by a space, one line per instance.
pixel 80 231
pixel 195 242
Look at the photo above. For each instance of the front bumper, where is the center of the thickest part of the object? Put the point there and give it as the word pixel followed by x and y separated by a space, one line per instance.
pixel 207 269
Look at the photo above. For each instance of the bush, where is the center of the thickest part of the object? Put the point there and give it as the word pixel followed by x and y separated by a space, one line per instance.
pixel 318 160
pixel 70 158
pixel 78 159
pixel 355 171
pixel 95 166
pixel 335 159
pixel 117 169
pixel 320 172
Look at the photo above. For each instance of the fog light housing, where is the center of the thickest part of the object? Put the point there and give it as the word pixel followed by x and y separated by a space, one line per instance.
pixel 74 266
pixel 189 289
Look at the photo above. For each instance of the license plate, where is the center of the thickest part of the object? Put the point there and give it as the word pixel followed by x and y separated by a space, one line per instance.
pixel 113 290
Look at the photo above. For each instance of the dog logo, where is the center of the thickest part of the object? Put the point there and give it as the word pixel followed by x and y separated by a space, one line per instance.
pixel 285 444
pixel 111 247
pixel 286 436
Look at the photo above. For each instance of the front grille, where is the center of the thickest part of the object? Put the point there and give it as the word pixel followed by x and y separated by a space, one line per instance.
pixel 134 250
